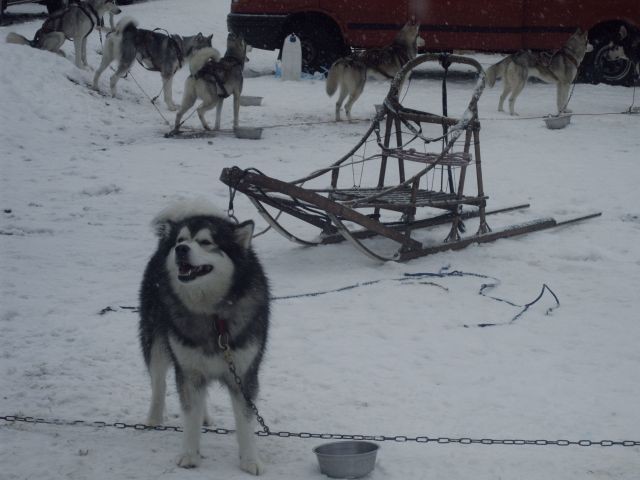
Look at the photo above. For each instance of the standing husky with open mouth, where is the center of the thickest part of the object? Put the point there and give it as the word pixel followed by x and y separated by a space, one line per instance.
pixel 204 291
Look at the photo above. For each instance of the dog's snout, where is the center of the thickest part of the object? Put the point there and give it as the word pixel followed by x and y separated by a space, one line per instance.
pixel 182 251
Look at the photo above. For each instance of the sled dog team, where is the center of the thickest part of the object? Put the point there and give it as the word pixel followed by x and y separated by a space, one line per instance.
pixel 214 77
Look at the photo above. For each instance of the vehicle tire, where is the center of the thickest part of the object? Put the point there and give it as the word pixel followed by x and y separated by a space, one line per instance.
pixel 321 43
pixel 55 5
pixel 597 67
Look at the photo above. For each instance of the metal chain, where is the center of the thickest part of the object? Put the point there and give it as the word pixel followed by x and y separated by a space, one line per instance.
pixel 232 368
pixel 334 436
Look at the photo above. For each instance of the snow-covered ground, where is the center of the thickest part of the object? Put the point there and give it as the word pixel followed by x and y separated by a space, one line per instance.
pixel 83 174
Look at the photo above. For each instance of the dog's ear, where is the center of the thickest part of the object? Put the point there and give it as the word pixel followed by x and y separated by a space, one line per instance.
pixel 162 227
pixel 209 39
pixel 244 233
pixel 622 34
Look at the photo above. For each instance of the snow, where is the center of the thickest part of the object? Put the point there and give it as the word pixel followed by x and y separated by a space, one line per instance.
pixel 83 175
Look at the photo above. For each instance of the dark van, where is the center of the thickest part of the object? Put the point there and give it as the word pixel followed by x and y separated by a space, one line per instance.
pixel 329 28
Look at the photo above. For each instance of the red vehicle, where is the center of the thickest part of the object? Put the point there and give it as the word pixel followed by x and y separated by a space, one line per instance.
pixel 329 28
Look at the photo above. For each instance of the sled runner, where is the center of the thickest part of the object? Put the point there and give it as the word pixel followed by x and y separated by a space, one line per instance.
pixel 436 179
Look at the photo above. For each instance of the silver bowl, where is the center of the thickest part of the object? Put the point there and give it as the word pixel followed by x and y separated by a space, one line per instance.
pixel 347 459
pixel 556 122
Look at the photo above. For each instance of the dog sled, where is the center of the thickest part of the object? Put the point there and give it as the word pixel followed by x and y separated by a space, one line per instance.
pixel 428 176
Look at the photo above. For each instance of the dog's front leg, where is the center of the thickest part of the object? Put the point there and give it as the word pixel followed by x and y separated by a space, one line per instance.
pixel 218 113
pixel 159 362
pixel 245 428
pixel 77 46
pixel 193 392
pixel 236 109
pixel 167 88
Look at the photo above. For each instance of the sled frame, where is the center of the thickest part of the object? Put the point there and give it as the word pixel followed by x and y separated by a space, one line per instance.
pixel 354 214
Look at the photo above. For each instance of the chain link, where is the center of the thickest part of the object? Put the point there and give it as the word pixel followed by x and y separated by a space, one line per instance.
pixel 266 432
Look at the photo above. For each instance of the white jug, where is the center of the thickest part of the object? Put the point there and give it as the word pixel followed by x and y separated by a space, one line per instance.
pixel 291 58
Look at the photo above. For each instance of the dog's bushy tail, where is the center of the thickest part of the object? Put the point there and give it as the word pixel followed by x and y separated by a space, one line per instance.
pixel 333 77
pixel 126 30
pixel 495 72
pixel 18 39
pixel 201 57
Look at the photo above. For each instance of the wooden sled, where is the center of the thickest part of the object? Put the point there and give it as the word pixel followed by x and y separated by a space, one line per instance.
pixel 426 188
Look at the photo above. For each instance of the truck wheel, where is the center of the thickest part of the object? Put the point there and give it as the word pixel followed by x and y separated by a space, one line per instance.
pixel 55 5
pixel 599 67
pixel 321 44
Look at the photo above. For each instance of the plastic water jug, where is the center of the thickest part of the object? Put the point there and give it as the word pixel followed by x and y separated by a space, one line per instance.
pixel 291 58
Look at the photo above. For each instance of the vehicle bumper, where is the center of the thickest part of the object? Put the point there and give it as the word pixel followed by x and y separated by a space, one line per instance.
pixel 259 31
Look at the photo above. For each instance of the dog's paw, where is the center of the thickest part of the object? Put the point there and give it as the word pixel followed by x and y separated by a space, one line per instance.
pixel 172 108
pixel 252 465
pixel 189 460
pixel 207 421
pixel 154 420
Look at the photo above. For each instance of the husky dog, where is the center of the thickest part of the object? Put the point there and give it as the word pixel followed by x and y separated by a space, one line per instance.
pixel 204 291
pixel 155 50
pixel 626 46
pixel 51 41
pixel 350 72
pixel 213 79
pixel 560 67
pixel 74 22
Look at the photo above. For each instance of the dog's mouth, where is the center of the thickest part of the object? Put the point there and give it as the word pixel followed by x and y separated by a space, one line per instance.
pixel 188 272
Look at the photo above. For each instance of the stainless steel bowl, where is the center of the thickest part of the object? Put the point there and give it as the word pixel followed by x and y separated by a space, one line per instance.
pixel 555 122
pixel 347 459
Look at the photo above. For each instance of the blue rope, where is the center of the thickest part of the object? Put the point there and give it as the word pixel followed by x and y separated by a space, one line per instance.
pixel 443 273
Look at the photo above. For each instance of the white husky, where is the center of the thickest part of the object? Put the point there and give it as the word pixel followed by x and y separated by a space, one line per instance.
pixel 560 68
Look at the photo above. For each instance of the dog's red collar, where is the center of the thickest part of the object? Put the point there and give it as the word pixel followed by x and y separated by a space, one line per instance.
pixel 220 325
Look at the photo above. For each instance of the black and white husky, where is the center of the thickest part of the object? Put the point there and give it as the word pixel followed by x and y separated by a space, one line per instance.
pixel 204 288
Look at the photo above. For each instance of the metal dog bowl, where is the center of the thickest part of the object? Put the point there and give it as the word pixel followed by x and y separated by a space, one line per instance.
pixel 348 459
pixel 248 101
pixel 556 122
pixel 252 133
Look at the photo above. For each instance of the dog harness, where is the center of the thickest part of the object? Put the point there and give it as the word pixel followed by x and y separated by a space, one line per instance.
pixel 144 40
pixel 218 72
pixel 54 22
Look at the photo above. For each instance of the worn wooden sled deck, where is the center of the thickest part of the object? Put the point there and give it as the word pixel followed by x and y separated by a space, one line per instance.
pixel 429 173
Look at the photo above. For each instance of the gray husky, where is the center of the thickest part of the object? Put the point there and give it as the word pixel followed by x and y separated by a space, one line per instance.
pixel 560 68
pixel 213 79
pixel 204 292
pixel 74 22
pixel 156 50
pixel 350 72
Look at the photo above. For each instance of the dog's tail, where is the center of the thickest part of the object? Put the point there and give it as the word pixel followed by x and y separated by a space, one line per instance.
pixel 125 34
pixel 18 39
pixel 496 71
pixel 333 77
pixel 201 57
pixel 126 24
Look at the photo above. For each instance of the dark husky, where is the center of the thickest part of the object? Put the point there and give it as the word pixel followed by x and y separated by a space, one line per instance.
pixel 213 79
pixel 156 50
pixel 74 22
pixel 350 72
pixel 204 288
pixel 627 46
